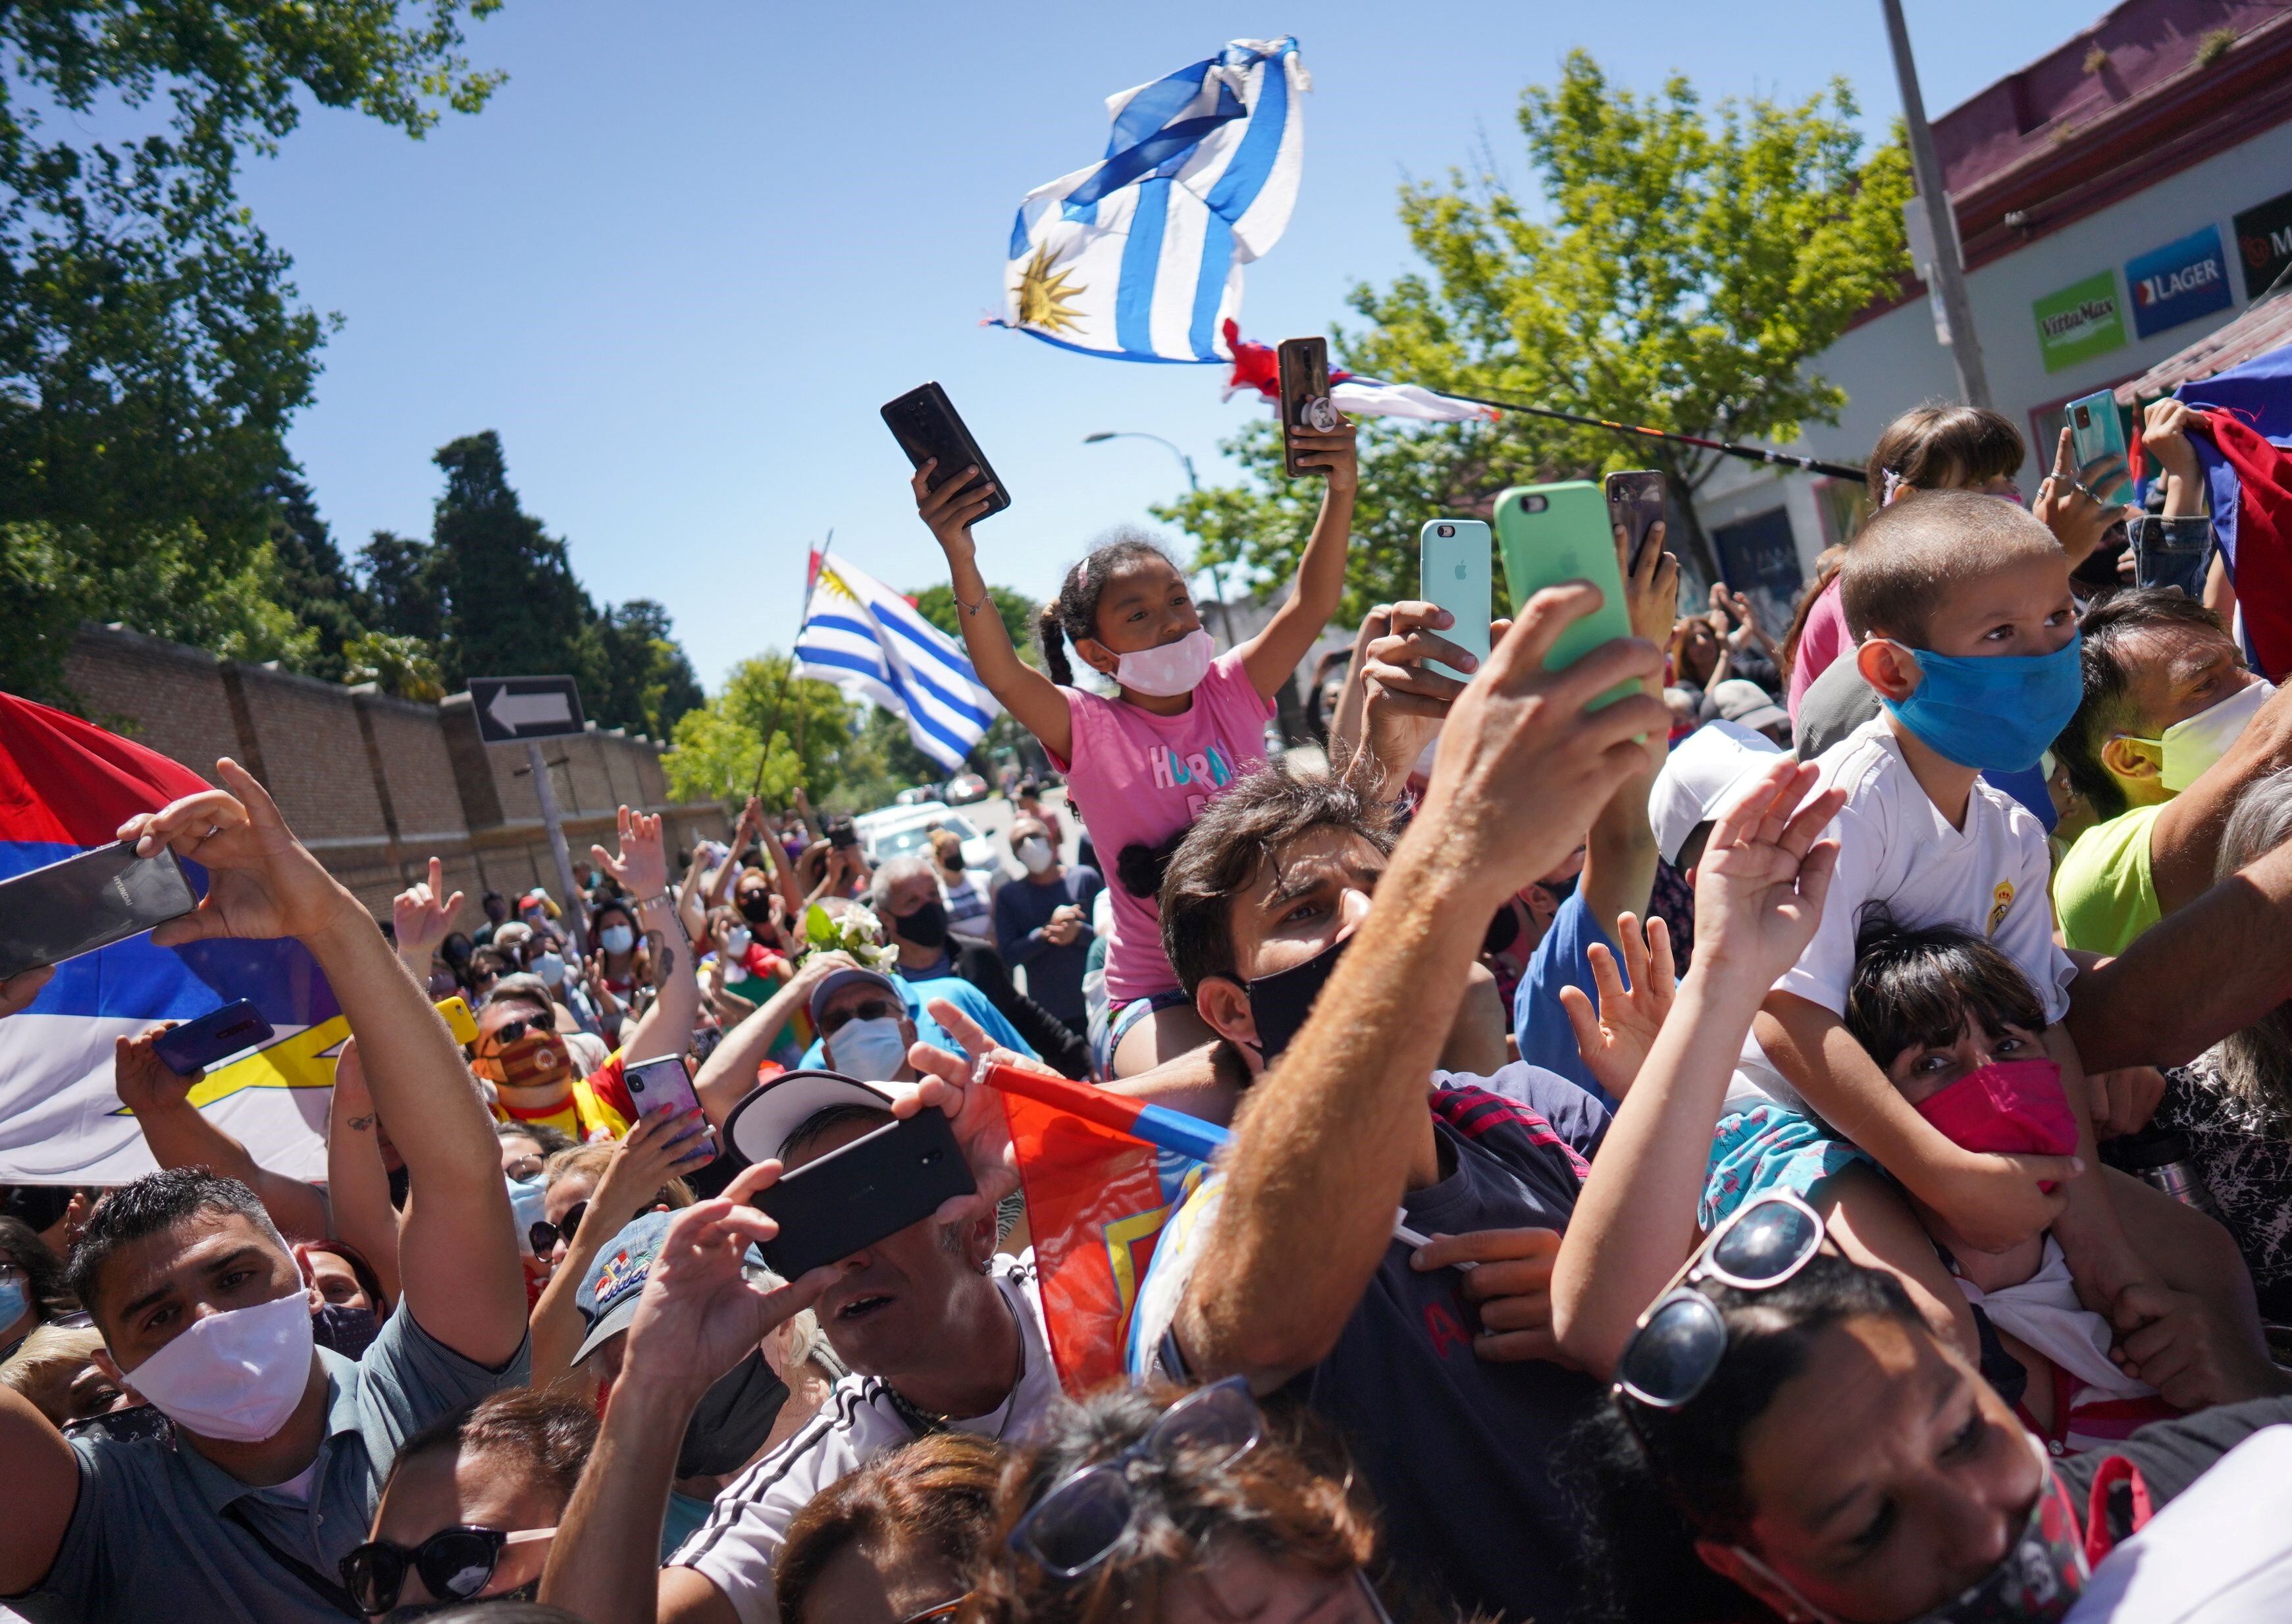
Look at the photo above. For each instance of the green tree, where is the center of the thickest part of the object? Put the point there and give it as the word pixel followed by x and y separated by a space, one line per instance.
pixel 406 595
pixel 315 587
pixel 936 603
pixel 1683 269
pixel 151 350
pixel 513 606
pixel 798 729
pixel 640 670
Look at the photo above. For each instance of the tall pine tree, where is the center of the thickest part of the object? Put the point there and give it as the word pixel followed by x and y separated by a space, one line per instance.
pixel 512 604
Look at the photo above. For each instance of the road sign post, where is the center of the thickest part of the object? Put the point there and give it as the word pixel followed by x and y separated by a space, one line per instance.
pixel 526 710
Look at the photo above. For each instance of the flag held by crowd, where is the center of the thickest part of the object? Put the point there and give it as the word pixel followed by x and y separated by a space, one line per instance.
pixel 1102 1174
pixel 66 786
pixel 870 642
pixel 1138 255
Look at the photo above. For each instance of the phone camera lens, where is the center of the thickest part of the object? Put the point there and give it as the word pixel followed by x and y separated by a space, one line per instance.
pixel 1445 529
pixel 930 1157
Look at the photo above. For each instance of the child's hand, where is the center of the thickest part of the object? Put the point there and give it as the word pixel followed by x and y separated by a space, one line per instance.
pixel 2165 433
pixel 951 510
pixel 1615 1041
pixel 1651 590
pixel 1993 1199
pixel 1760 887
pixel 1333 453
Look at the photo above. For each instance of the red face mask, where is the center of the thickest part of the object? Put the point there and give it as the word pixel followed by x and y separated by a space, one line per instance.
pixel 2013 1107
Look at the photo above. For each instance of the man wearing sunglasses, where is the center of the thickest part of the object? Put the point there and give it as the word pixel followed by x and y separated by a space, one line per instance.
pixel 1350 966
pixel 265 1470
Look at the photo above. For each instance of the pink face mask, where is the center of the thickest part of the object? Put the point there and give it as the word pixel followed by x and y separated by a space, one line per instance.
pixel 2011 1107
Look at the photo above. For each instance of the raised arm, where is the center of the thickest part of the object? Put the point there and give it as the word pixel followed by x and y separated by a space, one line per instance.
pixel 1338 1132
pixel 358 1185
pixel 1620 854
pixel 1272 654
pixel 1025 692
pixel 1758 895
pixel 642 867
pixel 181 1135
pixel 420 919
pixel 729 1076
pixel 458 1256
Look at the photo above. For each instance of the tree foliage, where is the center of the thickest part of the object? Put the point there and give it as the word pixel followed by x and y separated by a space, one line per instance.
pixel 798 731
pixel 1683 268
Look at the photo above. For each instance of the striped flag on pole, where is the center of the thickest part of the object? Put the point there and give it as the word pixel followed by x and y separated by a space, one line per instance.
pixel 870 642
pixel 1139 257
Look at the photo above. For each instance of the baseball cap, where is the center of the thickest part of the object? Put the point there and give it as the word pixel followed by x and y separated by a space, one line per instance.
pixel 759 1126
pixel 838 980
pixel 1693 787
pixel 608 1298
pixel 1744 702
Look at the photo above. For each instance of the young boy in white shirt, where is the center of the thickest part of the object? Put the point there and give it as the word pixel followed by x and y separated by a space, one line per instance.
pixel 1960 606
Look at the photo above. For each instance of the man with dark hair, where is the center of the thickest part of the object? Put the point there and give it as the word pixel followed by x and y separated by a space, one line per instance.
pixel 939 1330
pixel 265 1467
pixel 496 907
pixel 2171 729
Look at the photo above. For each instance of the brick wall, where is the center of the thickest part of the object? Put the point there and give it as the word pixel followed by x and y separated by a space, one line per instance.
pixel 375 785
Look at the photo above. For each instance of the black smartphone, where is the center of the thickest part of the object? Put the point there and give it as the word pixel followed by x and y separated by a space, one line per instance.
pixel 1305 403
pixel 88 902
pixel 1634 506
pixel 854 1196
pixel 665 1082
pixel 196 1045
pixel 841 834
pixel 925 424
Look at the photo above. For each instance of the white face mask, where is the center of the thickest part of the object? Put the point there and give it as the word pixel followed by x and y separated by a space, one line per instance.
pixel 735 943
pixel 1035 853
pixel 1170 670
pixel 2194 745
pixel 616 938
pixel 550 968
pixel 236 1375
pixel 872 1051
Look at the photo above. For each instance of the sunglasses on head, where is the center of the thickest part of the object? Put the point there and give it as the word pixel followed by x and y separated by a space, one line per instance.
pixel 455 1565
pixel 867 1009
pixel 543 1236
pixel 1681 1341
pixel 1084 1516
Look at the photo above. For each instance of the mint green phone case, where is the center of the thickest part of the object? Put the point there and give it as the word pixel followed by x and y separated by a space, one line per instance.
pixel 1551 534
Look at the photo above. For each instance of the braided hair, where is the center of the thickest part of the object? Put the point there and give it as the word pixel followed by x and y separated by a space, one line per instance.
pixel 1073 614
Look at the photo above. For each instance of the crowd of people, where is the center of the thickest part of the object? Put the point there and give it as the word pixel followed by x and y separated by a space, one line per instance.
pixel 1810 1138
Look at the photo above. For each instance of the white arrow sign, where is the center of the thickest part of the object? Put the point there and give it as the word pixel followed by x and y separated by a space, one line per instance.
pixel 513 711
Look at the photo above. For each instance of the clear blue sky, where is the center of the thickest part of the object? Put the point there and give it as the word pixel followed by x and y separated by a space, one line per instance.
pixel 689 249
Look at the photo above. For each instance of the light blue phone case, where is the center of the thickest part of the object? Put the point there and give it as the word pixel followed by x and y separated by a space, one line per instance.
pixel 1453 571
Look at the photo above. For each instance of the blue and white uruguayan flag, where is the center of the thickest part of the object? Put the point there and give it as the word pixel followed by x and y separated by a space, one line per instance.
pixel 1140 255
pixel 868 640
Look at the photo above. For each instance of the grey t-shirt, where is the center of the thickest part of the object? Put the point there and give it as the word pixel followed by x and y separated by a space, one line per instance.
pixel 1834 705
pixel 161 1533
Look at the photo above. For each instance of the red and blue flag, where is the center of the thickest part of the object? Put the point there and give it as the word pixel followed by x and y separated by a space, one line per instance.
pixel 66 785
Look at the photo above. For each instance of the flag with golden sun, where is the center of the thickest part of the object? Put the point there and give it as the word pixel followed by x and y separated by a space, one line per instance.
pixel 1139 257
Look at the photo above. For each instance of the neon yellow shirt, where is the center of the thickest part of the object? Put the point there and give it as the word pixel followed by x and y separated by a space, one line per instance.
pixel 2103 893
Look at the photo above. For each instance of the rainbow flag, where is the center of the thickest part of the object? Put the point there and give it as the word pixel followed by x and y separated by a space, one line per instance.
pixel 66 785
pixel 1102 1174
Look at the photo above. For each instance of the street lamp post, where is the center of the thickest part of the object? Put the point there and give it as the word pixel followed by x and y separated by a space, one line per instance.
pixel 1941 220
pixel 1225 611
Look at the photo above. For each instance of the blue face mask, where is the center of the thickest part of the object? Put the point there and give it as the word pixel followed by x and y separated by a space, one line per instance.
pixel 1999 715
pixel 13 1302
pixel 526 1196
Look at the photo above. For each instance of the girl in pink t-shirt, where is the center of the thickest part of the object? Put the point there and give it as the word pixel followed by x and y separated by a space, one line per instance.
pixel 1183 725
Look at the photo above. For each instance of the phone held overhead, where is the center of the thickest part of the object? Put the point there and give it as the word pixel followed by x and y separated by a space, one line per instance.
pixel 194 1046
pixel 1454 572
pixel 1635 503
pixel 928 430
pixel 847 1198
pixel 88 902
pixel 665 1082
pixel 1305 404
pixel 1553 533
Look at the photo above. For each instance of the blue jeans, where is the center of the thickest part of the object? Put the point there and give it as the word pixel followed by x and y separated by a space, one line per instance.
pixel 2171 552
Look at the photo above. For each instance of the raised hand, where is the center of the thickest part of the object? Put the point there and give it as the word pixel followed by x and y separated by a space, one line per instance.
pixel 1333 454
pixel 1403 700
pixel 950 511
pixel 262 882
pixel 2076 516
pixel 1524 764
pixel 422 915
pixel 1760 887
pixel 146 1084
pixel 1614 1039
pixel 654 1151
pixel 1651 589
pixel 701 1314
pixel 641 864
pixel 2165 435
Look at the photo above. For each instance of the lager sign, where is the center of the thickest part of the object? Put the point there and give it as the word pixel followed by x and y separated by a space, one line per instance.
pixel 2082 320
pixel 2179 282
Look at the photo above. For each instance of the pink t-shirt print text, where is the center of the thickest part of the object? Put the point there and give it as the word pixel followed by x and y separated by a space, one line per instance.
pixel 1137 779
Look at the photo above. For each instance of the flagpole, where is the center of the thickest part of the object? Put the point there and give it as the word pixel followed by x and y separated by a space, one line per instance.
pixel 1756 454
pixel 787 676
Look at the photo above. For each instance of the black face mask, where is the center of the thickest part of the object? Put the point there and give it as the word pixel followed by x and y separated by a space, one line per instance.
pixel 734 1418
pixel 926 927
pixel 1504 930
pixel 1561 889
pixel 529 1591
pixel 348 1331
pixel 757 906
pixel 1279 1003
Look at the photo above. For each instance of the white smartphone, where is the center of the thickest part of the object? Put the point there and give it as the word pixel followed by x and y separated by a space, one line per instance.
pixel 666 1081
pixel 1453 571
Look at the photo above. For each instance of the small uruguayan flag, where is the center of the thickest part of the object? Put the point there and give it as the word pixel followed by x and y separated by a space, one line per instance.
pixel 1140 255
pixel 868 641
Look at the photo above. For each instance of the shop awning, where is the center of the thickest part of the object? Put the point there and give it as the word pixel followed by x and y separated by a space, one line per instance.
pixel 2266 326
